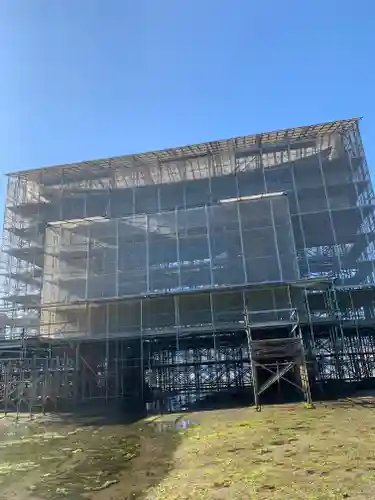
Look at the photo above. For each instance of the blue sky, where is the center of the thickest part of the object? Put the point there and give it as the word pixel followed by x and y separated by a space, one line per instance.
pixel 84 79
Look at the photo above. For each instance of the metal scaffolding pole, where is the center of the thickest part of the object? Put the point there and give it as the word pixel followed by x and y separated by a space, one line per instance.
pixel 105 260
pixel 278 355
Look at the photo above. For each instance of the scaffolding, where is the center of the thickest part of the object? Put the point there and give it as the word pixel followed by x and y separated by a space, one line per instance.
pixel 278 355
pixel 171 276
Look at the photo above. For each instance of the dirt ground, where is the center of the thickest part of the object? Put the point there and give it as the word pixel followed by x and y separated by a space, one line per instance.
pixel 282 452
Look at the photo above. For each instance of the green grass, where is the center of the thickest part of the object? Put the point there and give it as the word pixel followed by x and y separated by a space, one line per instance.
pixel 283 452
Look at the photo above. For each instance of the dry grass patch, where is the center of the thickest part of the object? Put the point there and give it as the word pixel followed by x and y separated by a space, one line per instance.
pixel 284 452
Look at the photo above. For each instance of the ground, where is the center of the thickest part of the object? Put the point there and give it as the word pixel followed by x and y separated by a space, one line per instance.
pixel 282 452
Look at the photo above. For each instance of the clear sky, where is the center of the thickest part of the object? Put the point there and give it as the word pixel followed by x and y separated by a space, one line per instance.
pixel 85 79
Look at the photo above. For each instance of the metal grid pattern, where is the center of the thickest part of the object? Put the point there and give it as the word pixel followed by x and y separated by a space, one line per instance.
pixel 98 168
pixel 178 242
pixel 175 315
pixel 209 247
pixel 123 232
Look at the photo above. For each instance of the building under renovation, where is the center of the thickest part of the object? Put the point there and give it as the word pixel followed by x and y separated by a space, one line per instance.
pixel 171 279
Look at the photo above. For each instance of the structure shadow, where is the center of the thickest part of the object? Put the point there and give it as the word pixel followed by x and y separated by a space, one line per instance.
pixel 352 402
pixel 114 444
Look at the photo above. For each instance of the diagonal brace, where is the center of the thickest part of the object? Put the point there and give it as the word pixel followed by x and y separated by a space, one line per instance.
pixel 275 376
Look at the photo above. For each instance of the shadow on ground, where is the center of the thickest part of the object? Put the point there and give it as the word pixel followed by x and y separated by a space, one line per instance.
pixel 77 456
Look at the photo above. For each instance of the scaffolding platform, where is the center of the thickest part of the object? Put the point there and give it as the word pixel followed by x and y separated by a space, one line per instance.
pixel 128 277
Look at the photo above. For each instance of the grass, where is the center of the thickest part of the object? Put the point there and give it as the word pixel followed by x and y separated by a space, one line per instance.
pixel 284 452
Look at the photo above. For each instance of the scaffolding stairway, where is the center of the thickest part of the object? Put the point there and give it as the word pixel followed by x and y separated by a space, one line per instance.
pixel 288 351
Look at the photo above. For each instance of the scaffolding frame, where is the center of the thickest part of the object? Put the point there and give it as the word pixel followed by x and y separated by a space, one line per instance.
pixel 278 355
pixel 105 262
pixel 170 371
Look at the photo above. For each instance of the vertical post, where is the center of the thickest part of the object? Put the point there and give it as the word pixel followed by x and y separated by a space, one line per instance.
pixel 278 379
pixel 89 320
pixel 7 380
pixel 290 301
pixel 336 311
pixel 147 254
pixel 77 372
pixel 305 379
pixel 332 328
pixel 83 378
pixel 123 366
pixel 87 263
pixel 133 200
pixel 176 304
pixel 63 375
pixel 141 356
pixel 116 362
pixel 312 344
pixel 301 228
pixel 177 248
pixel 20 382
pixel 308 310
pixel 357 327
pixel 253 363
pixel 296 332
pixel 275 241
pixel 33 386
pixel 57 379
pixel 117 258
pixel 45 381
pixel 240 228
pixel 207 214
pixel 329 208
pixel 214 342
pixel 302 365
pixel 106 371
pixel 211 173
